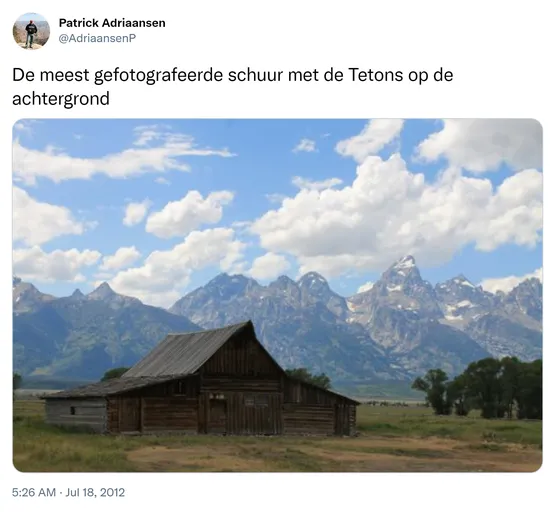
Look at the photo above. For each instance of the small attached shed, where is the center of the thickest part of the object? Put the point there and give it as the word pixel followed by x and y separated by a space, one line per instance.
pixel 220 381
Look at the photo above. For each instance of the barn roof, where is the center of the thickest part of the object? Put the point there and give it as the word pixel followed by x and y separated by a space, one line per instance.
pixel 108 387
pixel 325 390
pixel 183 354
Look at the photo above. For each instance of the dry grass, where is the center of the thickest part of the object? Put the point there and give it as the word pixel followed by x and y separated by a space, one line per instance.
pixel 392 439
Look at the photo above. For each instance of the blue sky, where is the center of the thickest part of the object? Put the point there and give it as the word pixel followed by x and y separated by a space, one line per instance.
pixel 345 198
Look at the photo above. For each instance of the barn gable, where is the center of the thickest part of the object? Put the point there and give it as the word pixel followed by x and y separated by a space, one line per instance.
pixel 242 355
pixel 184 354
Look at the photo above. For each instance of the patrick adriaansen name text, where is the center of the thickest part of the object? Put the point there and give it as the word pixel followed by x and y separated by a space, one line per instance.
pixel 110 23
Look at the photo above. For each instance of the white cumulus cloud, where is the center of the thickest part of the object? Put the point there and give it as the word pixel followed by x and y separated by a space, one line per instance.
pixel 33 263
pixel 481 145
pixel 305 145
pixel 388 211
pixel 377 134
pixel 164 274
pixel 36 223
pixel 269 266
pixel 136 212
pixel 122 258
pixel 179 218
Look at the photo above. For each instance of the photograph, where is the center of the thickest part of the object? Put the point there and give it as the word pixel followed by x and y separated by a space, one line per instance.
pixel 31 31
pixel 276 295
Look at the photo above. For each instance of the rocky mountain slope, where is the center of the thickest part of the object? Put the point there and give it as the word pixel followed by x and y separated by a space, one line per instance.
pixel 513 324
pixel 403 314
pixel 301 323
pixel 400 327
pixel 26 297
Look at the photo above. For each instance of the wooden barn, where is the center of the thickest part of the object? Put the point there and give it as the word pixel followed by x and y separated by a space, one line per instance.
pixel 220 381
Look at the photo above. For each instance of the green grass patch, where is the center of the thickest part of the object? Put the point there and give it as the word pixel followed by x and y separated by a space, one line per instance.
pixel 421 422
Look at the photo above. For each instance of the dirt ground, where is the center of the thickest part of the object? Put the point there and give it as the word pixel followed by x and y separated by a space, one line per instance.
pixel 363 454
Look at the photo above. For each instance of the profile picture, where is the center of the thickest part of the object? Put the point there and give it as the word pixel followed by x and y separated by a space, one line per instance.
pixel 31 31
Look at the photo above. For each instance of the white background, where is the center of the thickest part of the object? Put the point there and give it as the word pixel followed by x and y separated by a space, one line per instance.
pixel 498 52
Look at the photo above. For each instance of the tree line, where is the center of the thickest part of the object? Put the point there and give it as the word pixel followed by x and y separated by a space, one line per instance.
pixel 321 380
pixel 498 388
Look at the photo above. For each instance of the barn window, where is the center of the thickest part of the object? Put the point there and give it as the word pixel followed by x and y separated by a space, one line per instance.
pixel 72 411
pixel 217 396
pixel 181 388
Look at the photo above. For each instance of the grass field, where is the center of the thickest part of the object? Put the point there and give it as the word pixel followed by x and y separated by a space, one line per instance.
pixel 391 439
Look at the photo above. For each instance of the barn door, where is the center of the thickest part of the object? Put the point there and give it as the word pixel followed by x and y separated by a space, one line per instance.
pixel 130 414
pixel 261 414
pixel 217 416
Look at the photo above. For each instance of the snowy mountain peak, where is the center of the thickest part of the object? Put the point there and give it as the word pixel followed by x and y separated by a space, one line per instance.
pixel 406 262
pixel 403 268
pixel 459 290
pixel 461 280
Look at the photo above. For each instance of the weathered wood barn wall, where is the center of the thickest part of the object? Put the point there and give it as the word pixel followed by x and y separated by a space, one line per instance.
pixel 221 381
pixel 85 412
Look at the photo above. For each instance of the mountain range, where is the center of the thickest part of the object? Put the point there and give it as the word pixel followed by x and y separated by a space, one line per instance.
pixel 398 328
pixel 82 336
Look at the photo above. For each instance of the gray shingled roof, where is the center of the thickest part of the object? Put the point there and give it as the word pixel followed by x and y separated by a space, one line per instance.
pixel 108 387
pixel 183 354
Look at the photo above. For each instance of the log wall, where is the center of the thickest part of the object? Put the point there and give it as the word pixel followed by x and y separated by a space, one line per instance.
pixel 241 413
pixel 177 413
pixel 90 414
pixel 306 419
pixel 310 410
pixel 168 407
